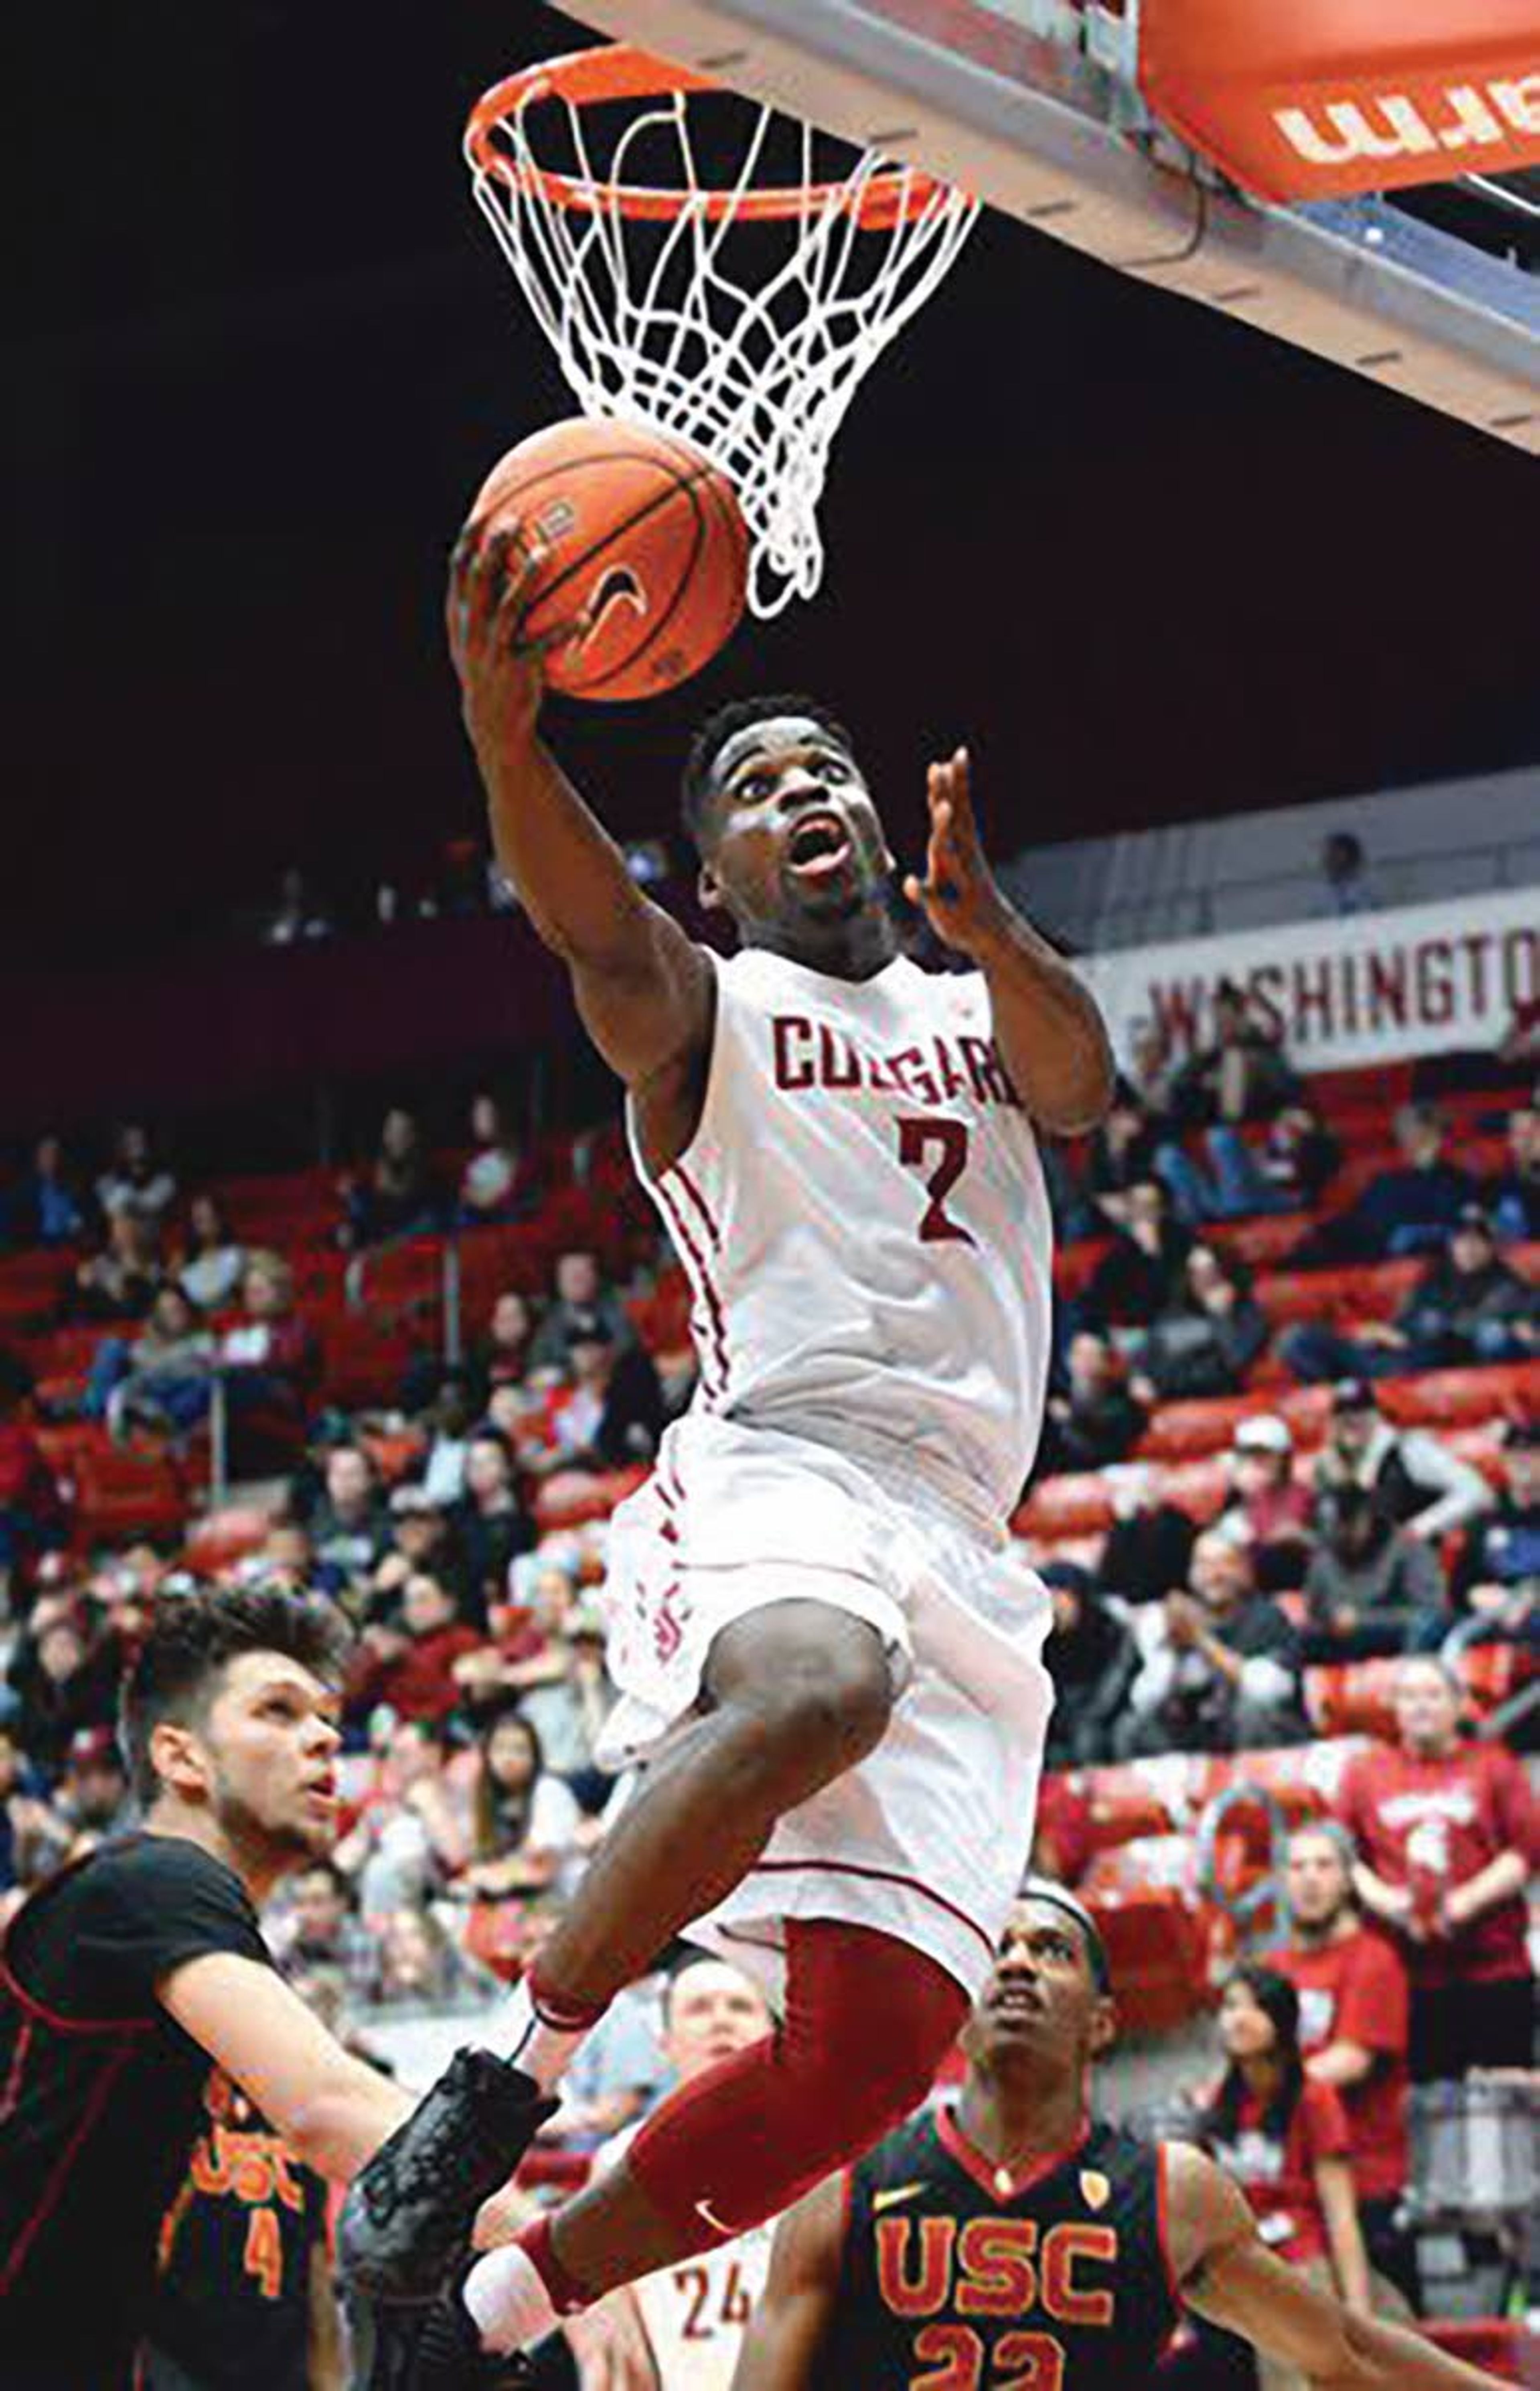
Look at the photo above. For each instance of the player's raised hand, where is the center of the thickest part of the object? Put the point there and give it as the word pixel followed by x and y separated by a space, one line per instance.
pixel 959 893
pixel 492 580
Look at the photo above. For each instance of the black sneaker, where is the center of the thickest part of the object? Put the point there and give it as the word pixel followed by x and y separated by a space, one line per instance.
pixel 406 2224
pixel 449 2356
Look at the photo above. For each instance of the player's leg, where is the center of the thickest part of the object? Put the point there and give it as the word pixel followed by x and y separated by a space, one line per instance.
pixel 798 1693
pixel 741 2143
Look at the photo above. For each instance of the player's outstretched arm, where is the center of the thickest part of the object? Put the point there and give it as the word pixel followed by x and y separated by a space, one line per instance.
pixel 645 990
pixel 791 2322
pixel 1226 2273
pixel 1047 1024
pixel 332 2109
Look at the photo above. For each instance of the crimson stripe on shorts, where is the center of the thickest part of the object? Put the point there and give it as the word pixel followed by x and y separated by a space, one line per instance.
pixel 18 2060
pixel 702 1207
pixel 880 1876
pixel 707 1286
pixel 53 2190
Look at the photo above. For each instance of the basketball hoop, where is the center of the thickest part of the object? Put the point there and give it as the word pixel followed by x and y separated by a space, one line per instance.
pixel 739 306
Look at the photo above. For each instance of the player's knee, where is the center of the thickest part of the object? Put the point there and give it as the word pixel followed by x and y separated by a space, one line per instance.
pixel 824 1710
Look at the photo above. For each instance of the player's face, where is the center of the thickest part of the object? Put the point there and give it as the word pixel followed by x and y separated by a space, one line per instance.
pixel 713 2011
pixel 1317 1881
pixel 270 1741
pixel 793 833
pixel 1041 1999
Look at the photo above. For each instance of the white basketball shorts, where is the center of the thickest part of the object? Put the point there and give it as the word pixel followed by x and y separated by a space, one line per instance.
pixel 929 1837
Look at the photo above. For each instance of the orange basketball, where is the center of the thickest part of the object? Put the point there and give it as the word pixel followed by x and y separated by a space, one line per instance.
pixel 645 537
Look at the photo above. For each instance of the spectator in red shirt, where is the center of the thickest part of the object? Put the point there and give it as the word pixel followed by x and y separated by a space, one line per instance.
pixel 31 1510
pixel 1265 1494
pixel 1354 2025
pixel 1445 1837
pixel 1284 2138
pixel 409 1664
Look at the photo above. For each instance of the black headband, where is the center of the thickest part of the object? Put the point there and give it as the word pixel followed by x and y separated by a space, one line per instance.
pixel 1042 1887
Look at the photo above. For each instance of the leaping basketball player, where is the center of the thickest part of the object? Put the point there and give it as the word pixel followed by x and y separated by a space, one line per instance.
pixel 828 1657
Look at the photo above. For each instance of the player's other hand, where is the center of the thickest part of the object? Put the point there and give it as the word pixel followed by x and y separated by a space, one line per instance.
pixel 493 578
pixel 959 894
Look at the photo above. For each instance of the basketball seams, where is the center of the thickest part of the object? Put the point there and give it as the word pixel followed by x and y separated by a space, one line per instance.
pixel 704 574
pixel 654 631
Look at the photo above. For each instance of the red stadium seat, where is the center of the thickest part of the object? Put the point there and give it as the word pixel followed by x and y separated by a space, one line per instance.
pixel 1157 1946
pixel 226 1536
pixel 1497 2345
pixel 1351 1697
pixel 574 1496
pixel 1451 1398
pixel 126 1493
pixel 1265 1237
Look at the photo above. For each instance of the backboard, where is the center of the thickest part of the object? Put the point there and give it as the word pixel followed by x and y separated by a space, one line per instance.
pixel 1034 106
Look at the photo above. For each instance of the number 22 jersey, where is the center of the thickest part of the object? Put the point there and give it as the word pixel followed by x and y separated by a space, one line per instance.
pixel 862 1216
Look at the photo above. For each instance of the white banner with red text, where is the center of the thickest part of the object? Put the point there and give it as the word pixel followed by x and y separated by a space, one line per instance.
pixel 1368 987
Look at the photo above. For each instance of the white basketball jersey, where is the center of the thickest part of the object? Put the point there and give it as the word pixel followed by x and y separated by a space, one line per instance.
pixel 862 1216
pixel 694 2314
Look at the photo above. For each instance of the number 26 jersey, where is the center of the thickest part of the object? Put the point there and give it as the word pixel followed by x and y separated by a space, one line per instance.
pixel 862 1216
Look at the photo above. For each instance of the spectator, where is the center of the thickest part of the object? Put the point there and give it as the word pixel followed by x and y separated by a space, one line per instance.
pixel 612 1413
pixel 286 1557
pixel 1414 1478
pixel 1409 1209
pixel 63 1677
pixel 419 1967
pixel 408 1662
pixel 422 1542
pixel 449 1420
pixel 34 1838
pixel 268 1359
pixel 119 1281
pixel 397 1196
pixel 1496 1580
pixel 134 1182
pixel 1152 1069
pixel 1344 874
pixel 502 1358
pixel 1121 1152
pixel 405 1836
pixel 92 1795
pixel 31 1510
pixel 1353 2027
pixel 298 918
pixel 568 1711
pixel 524 1821
pixel 498 1182
pixel 1283 2136
pixel 52 1204
pixel 1297 1159
pixel 1234 1183
pixel 489 1522
pixel 1205 1339
pixel 1371 1589
pixel 1266 1500
pixel 1063 1831
pixel 1150 1542
pixel 1468 1308
pixel 1513 1196
pixel 618 2073
pixel 348 1529
pixel 1446 1833
pixel 211 1265
pixel 1138 1277
pixel 582 1306
pixel 160 1380
pixel 1097 1420
pixel 1091 1659
pixel 1219 1663
pixel 318 1929
pixel 1241 1076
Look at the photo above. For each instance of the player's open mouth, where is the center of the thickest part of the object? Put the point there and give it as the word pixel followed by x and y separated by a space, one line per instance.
pixel 1018 2000
pixel 819 845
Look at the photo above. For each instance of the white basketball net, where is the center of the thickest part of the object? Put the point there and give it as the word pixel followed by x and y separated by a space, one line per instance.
pixel 678 322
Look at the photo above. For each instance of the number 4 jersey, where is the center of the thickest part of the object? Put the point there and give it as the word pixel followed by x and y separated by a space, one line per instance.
pixel 957 2276
pixel 862 1216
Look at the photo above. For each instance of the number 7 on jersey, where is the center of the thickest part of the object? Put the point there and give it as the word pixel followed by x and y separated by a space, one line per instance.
pixel 937 1147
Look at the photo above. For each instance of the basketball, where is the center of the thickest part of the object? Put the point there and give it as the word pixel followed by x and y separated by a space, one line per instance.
pixel 645 538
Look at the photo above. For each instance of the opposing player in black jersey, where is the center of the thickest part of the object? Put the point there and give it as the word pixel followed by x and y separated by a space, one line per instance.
pixel 124 1976
pixel 1013 2245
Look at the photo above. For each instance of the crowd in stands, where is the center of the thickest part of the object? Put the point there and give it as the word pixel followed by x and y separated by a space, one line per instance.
pixel 1288 1504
